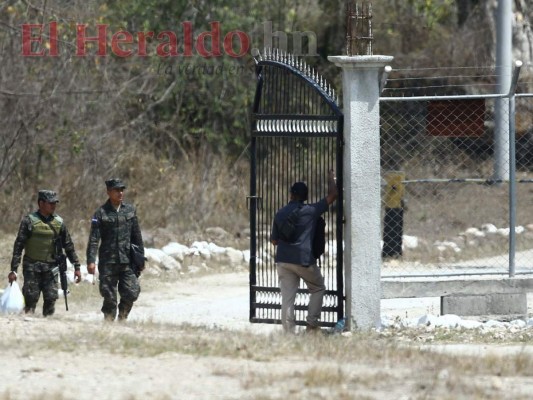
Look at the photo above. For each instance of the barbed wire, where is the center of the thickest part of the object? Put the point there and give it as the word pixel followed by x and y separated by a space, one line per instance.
pixel 442 86
pixel 400 80
pixel 442 77
pixel 493 67
pixel 487 181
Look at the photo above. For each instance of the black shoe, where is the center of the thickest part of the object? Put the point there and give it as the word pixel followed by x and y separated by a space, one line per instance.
pixel 312 330
pixel 124 310
pixel 49 309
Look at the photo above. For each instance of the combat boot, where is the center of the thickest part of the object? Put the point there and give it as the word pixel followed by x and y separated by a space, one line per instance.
pixel 49 308
pixel 109 317
pixel 123 311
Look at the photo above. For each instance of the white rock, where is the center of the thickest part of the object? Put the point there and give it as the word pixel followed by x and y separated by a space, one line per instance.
pixel 176 250
pixel 202 248
pixel 448 321
pixel 427 319
pixel 494 324
pixel 236 257
pixel 161 259
pixel 410 242
pixel 503 232
pixel 469 324
pixel 489 228
pixel 169 263
pixel 213 248
pixel 445 245
pixel 387 321
pixel 474 232
pixel 518 323
pixel 246 255
pixel 154 255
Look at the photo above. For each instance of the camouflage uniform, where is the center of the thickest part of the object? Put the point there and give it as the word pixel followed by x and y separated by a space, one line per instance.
pixel 36 238
pixel 116 231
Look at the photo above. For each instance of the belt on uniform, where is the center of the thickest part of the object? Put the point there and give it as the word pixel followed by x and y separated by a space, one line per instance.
pixel 39 261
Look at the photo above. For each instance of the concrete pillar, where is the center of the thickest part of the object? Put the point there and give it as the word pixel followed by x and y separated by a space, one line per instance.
pixel 362 186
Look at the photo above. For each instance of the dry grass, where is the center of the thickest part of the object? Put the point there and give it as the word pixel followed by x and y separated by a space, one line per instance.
pixel 444 211
pixel 152 339
pixel 178 202
pixel 374 365
pixel 172 200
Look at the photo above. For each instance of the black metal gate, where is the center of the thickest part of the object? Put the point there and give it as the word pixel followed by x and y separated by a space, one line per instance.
pixel 296 135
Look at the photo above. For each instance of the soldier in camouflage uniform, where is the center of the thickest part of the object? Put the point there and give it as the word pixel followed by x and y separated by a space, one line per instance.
pixel 116 227
pixel 37 237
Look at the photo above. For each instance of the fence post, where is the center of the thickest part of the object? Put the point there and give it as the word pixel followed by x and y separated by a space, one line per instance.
pixel 504 56
pixel 393 221
pixel 362 187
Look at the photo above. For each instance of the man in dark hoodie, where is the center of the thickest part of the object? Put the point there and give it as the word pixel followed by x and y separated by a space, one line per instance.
pixel 295 259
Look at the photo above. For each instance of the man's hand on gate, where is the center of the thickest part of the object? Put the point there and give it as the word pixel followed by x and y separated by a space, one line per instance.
pixel 332 187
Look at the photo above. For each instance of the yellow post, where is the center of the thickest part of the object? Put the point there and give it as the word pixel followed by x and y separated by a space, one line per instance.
pixel 395 189
pixel 393 223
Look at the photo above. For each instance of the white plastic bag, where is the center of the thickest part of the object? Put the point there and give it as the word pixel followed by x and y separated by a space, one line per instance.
pixel 12 301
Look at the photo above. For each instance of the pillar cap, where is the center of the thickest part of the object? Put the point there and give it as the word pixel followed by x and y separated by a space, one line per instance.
pixel 354 62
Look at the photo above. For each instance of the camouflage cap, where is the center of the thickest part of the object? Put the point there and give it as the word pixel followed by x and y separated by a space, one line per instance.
pixel 115 183
pixel 48 195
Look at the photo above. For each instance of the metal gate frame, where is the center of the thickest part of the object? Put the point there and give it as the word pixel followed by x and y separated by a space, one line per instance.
pixel 296 135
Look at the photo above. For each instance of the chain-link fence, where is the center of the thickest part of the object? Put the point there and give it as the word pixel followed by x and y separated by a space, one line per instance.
pixel 452 204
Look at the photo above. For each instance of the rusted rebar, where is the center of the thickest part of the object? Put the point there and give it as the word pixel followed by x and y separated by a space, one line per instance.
pixel 358 28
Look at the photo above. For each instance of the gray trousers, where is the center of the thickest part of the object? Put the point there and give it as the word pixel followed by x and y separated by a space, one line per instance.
pixel 289 280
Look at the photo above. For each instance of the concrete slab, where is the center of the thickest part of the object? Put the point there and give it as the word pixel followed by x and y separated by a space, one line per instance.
pixel 487 304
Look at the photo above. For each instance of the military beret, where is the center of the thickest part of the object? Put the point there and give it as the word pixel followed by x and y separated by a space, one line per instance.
pixel 115 183
pixel 48 195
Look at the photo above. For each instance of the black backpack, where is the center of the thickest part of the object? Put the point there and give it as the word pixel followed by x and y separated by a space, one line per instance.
pixel 319 239
pixel 287 229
